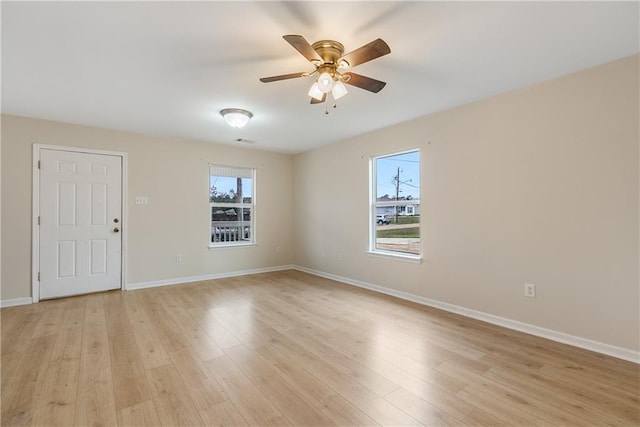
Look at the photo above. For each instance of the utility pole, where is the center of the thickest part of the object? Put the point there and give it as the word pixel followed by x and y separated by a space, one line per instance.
pixel 397 192
pixel 239 197
pixel 397 181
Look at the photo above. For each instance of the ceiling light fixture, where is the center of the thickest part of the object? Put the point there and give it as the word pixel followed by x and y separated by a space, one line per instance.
pixel 236 117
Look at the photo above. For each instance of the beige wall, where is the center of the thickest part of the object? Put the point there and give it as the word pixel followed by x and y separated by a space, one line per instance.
pixel 173 174
pixel 536 186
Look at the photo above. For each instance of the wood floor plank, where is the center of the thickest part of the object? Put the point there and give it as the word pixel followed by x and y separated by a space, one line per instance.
pixel 223 414
pixel 51 317
pixel 170 335
pixel 339 409
pixel 9 370
pixel 289 348
pixel 365 376
pixel 18 329
pixel 282 395
pixel 171 398
pixel 22 393
pixel 527 405
pixel 152 351
pixel 390 364
pixel 188 327
pixel 420 409
pixel 141 415
pixel 255 408
pixel 577 398
pixel 127 370
pixel 218 333
pixel 204 390
pixel 58 401
pixel 239 322
pixel 478 417
pixel 96 400
pixel 379 409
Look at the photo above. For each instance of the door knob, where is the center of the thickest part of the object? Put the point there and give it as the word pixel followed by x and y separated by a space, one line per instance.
pixel 115 230
pixel 116 220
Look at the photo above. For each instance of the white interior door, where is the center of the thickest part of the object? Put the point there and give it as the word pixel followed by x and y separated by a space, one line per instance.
pixel 80 223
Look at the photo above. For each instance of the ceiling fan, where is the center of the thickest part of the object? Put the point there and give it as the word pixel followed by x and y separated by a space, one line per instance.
pixel 330 62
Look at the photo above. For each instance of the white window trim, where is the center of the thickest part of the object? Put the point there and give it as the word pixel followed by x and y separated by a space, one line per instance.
pixel 373 204
pixel 379 253
pixel 252 206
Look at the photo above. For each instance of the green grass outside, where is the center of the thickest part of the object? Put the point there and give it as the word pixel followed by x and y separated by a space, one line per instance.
pixel 404 219
pixel 401 233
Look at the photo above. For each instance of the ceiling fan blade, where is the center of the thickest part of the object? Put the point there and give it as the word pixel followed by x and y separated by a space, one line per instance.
pixel 319 101
pixel 363 82
pixel 369 51
pixel 282 77
pixel 301 45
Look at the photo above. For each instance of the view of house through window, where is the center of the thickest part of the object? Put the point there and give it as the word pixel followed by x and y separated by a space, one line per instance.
pixel 395 210
pixel 231 201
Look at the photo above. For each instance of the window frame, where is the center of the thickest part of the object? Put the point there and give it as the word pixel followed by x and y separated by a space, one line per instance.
pixel 225 205
pixel 374 204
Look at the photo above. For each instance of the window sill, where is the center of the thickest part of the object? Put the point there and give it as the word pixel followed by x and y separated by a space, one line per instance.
pixel 231 245
pixel 414 259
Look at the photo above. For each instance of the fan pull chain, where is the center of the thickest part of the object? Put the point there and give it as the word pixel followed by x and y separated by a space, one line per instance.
pixel 326 108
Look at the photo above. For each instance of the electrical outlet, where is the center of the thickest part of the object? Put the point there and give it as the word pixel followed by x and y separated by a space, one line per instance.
pixel 178 258
pixel 530 290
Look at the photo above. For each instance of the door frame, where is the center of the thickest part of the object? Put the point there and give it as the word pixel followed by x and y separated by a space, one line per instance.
pixel 35 228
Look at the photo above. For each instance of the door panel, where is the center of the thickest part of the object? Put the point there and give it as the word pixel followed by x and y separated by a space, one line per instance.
pixel 80 207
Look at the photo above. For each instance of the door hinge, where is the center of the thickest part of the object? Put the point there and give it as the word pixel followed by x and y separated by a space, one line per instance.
pixel 38 164
pixel 38 276
pixel 38 220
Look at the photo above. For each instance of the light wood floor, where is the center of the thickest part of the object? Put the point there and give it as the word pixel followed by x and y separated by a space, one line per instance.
pixel 289 348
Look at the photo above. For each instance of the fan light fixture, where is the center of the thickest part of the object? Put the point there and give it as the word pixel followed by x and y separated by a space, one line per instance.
pixel 328 82
pixel 325 82
pixel 339 90
pixel 236 117
pixel 315 91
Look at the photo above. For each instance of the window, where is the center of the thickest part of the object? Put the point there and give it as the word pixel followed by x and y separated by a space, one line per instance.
pixel 395 204
pixel 232 205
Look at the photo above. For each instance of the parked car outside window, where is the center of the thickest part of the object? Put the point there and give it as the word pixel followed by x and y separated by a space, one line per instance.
pixel 382 219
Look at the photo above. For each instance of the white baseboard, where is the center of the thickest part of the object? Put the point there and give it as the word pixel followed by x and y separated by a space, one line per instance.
pixel 190 279
pixel 15 301
pixel 587 344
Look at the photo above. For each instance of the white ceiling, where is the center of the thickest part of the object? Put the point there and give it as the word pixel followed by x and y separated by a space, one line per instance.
pixel 168 68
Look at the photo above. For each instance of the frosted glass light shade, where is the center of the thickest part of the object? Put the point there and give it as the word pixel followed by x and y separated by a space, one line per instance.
pixel 315 92
pixel 235 117
pixel 325 82
pixel 339 90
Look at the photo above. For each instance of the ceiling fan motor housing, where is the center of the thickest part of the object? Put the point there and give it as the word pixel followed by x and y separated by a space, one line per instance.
pixel 329 50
